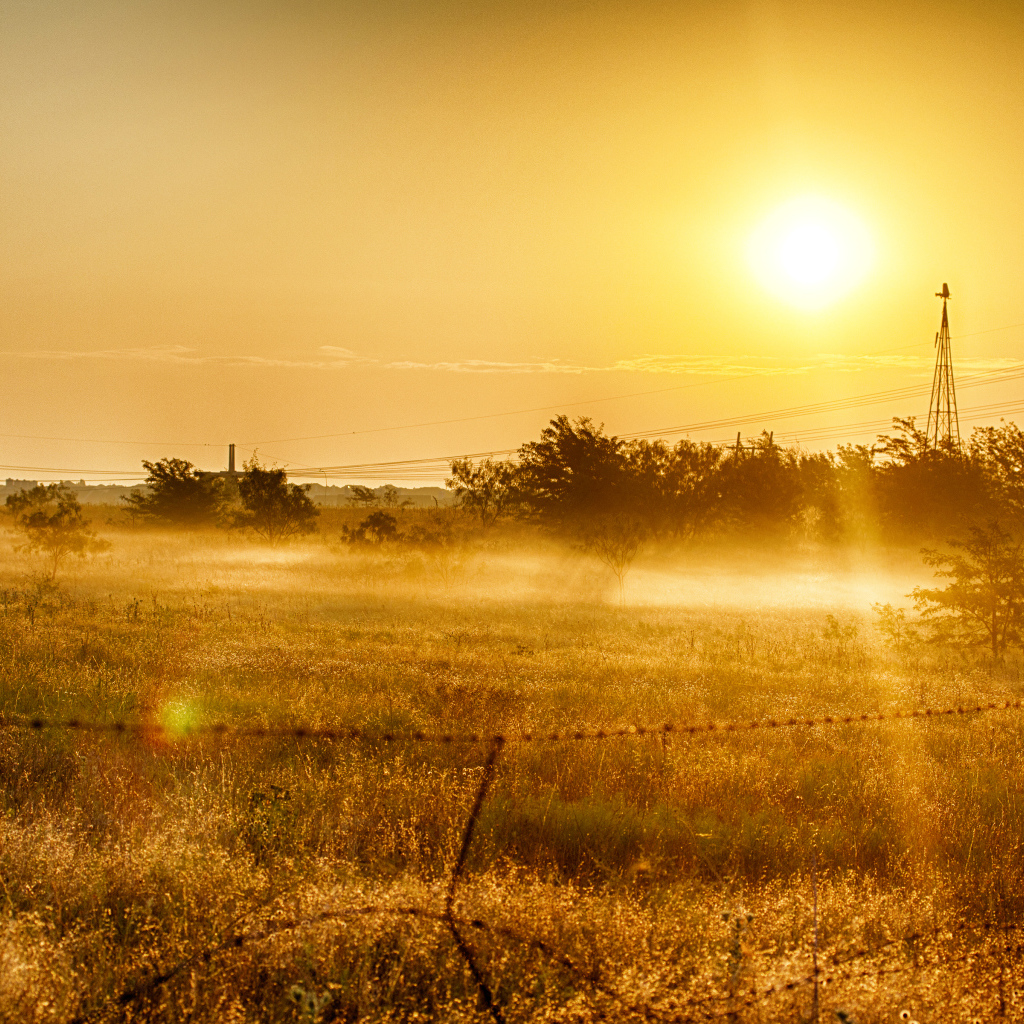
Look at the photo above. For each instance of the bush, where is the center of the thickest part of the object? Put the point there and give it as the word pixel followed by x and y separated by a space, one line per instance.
pixel 51 518
pixel 271 507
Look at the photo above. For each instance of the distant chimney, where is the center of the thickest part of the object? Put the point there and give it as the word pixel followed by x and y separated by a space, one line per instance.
pixel 231 458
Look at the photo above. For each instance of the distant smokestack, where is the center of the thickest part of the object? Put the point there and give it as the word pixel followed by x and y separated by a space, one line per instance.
pixel 231 458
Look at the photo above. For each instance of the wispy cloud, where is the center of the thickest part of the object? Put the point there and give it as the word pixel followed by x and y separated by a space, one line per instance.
pixel 490 366
pixel 706 365
pixel 923 364
pixel 334 357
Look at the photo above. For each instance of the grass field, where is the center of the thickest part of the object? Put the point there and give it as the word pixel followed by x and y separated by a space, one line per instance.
pixel 667 869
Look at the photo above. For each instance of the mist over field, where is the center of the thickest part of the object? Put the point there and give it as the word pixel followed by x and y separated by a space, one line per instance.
pixel 677 875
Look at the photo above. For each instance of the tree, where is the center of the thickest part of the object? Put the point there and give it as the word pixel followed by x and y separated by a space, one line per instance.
pixel 616 541
pixel 923 490
pixel 51 518
pixel 984 603
pixel 178 493
pixel 574 473
pixel 856 484
pixel 377 528
pixel 761 487
pixel 271 507
pixel 675 490
pixel 671 491
pixel 365 497
pixel 1000 453
pixel 390 499
pixel 488 489
pixel 892 624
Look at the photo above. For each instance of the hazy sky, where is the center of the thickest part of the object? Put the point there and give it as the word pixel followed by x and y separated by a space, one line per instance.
pixel 260 221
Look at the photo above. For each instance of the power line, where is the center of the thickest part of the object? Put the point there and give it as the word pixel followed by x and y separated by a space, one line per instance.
pixel 990 330
pixel 116 474
pixel 440 463
pixel 429 466
pixel 463 419
pixel 834 405
pixel 589 401
pixel 99 440
pixel 843 430
pixel 514 412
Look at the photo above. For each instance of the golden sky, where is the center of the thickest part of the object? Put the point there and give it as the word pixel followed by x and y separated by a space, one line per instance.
pixel 253 221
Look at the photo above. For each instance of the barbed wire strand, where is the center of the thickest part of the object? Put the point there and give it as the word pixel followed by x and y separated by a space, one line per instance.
pixel 831 978
pixel 839 959
pixel 356 733
pixel 237 941
pixel 497 744
pixel 135 992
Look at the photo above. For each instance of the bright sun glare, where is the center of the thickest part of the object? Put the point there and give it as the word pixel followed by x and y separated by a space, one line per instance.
pixel 810 251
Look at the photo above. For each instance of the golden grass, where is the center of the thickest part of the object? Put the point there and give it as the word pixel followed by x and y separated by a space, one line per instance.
pixel 638 859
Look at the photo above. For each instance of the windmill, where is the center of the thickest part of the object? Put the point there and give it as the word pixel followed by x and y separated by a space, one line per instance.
pixel 943 424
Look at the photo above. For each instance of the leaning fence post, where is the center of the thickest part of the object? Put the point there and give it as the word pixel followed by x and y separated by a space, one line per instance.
pixel 486 996
pixel 814 892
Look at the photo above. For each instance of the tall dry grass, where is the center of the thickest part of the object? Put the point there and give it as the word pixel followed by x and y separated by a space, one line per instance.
pixel 666 868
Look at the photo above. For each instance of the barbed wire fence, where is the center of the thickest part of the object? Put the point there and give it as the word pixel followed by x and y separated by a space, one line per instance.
pixel 692 1010
pixel 189 730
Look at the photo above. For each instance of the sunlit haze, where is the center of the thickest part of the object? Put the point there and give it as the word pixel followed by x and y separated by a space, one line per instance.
pixel 811 252
pixel 351 235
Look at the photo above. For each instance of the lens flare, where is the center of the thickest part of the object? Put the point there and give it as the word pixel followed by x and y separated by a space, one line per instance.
pixel 179 718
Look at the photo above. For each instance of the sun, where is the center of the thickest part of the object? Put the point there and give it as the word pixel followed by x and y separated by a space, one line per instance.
pixel 810 252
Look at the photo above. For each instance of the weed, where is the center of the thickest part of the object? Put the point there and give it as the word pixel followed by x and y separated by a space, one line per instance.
pixel 122 860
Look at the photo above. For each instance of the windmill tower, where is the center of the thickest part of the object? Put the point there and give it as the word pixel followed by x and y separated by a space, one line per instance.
pixel 943 423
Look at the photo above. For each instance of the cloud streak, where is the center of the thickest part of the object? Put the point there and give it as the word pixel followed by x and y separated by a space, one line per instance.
pixel 181 355
pixel 924 365
pixel 704 365
pixel 334 357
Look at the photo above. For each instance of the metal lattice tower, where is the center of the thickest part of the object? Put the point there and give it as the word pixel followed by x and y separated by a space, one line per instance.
pixel 943 422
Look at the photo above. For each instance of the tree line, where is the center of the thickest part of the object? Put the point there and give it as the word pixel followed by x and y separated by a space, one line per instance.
pixel 260 500
pixel 579 482
pixel 610 496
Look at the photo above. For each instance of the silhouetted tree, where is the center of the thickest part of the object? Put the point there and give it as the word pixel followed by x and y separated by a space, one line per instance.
pixel 984 602
pixel 364 497
pixel 390 498
pixel 573 473
pixel 924 491
pixel 488 489
pixel 999 451
pixel 377 528
pixel 672 490
pixel 820 510
pixel 51 519
pixel 690 489
pixel 271 507
pixel 856 483
pixel 616 540
pixel 575 477
pixel 761 487
pixel 177 493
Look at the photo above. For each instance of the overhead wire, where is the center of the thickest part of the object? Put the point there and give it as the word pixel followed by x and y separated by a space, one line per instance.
pixel 429 466
pixel 767 371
